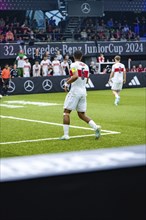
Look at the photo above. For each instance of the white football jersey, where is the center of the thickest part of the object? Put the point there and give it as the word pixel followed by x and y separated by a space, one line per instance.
pixel 36 70
pixel 64 65
pixel 45 64
pixel 118 69
pixel 56 68
pixel 26 69
pixel 79 86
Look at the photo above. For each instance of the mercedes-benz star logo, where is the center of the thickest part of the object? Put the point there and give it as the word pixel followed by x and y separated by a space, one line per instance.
pixel 85 7
pixel 62 83
pixel 47 85
pixel 28 86
pixel 11 87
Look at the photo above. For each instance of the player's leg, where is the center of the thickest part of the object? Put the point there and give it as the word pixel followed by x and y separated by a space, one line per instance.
pixel 69 105
pixel 91 123
pixel 81 109
pixel 66 123
pixel 116 88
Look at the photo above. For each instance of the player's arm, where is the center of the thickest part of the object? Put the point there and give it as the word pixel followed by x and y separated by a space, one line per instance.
pixel 111 76
pixel 72 79
pixel 124 75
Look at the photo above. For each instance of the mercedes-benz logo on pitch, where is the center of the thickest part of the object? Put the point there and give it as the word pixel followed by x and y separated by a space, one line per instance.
pixel 28 86
pixel 47 85
pixel 85 8
pixel 11 86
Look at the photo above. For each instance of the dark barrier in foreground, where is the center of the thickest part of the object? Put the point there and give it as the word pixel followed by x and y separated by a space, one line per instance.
pixel 109 185
pixel 49 84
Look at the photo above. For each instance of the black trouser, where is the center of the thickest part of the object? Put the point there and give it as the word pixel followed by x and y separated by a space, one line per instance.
pixel 1 86
pixel 5 86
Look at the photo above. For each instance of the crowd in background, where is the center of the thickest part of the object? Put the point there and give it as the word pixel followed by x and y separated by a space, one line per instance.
pixel 94 29
pixel 89 29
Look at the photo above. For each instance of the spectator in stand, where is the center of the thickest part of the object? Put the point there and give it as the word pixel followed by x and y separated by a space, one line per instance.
pixel 137 26
pixel 84 34
pixel 59 56
pixel 65 66
pixel 68 59
pixel 140 68
pixel 56 66
pixel 5 79
pixel 93 68
pixel 20 41
pixel 26 68
pixel 101 58
pixel 36 69
pixel 107 69
pixel 14 71
pixel 45 66
pixel 110 23
pixel 133 69
pixel 9 36
pixel 144 69
pixel 47 54
pixel 37 56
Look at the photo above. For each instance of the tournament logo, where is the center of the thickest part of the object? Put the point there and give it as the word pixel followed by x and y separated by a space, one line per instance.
pixel 47 85
pixel 85 8
pixel 29 86
pixel 11 87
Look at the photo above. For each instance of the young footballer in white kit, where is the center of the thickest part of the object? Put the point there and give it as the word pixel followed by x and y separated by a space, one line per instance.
pixel 36 69
pixel 26 68
pixel 45 65
pixel 76 98
pixel 117 77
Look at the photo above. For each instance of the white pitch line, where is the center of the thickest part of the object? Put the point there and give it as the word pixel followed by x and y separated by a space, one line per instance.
pixel 50 139
pixel 52 123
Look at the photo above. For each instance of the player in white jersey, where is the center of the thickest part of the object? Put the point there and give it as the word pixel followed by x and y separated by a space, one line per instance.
pixel 56 66
pixel 117 77
pixel 36 69
pixel 65 67
pixel 26 68
pixel 45 65
pixel 76 98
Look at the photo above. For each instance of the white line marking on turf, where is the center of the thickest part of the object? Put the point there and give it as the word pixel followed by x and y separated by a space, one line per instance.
pixel 32 103
pixel 50 139
pixel 52 123
pixel 11 106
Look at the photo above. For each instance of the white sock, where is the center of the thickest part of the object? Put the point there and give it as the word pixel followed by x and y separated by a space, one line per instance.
pixel 66 129
pixel 93 125
pixel 116 96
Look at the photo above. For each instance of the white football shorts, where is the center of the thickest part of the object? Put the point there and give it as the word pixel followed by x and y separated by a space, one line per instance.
pixel 75 102
pixel 116 86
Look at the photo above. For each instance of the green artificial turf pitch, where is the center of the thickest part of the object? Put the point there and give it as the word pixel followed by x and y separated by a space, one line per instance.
pixel 36 135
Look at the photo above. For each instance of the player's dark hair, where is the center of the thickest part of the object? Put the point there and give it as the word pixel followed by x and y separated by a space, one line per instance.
pixel 78 54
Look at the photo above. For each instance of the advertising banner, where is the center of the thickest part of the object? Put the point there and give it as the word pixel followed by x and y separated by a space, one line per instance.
pixel 52 84
pixel 10 50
